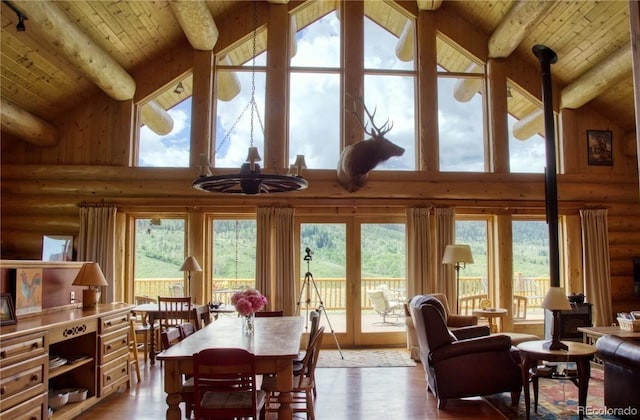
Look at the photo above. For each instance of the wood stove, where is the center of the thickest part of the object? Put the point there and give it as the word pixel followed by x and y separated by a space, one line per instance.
pixel 578 316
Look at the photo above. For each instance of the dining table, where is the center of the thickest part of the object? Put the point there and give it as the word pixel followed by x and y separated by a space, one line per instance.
pixel 275 343
pixel 151 312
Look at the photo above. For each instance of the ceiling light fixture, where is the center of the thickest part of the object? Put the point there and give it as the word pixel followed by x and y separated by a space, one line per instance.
pixel 251 180
pixel 21 17
pixel 179 88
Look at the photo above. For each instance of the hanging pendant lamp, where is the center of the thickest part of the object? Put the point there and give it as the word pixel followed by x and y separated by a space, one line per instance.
pixel 251 180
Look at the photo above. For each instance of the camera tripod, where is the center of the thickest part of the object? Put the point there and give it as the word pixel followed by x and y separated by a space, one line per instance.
pixel 306 287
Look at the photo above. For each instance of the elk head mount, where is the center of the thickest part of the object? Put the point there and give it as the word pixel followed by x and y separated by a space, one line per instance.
pixel 356 160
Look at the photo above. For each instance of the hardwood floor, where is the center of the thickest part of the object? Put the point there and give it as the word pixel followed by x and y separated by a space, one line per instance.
pixel 343 393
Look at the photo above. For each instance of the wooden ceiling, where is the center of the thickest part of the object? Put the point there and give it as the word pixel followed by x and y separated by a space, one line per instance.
pixel 39 79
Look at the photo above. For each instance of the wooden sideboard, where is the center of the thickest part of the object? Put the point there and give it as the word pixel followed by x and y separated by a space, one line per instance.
pixel 97 339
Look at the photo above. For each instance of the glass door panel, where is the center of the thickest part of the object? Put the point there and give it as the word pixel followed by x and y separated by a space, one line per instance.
pixel 323 274
pixel 383 283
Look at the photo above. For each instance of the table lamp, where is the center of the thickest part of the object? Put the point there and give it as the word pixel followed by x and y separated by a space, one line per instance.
pixel 556 300
pixel 90 275
pixel 190 264
pixel 457 254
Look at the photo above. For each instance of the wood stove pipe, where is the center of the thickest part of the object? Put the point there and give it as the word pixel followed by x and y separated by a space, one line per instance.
pixel 547 56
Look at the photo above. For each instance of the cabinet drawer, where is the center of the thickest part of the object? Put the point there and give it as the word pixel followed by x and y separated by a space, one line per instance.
pixel 23 380
pixel 113 345
pixel 21 348
pixel 114 322
pixel 33 409
pixel 113 374
pixel 72 329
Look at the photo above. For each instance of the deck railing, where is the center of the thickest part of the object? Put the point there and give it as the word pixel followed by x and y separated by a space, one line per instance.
pixel 333 291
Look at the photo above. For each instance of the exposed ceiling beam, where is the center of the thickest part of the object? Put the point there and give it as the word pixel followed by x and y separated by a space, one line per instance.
pixel 55 28
pixel 592 83
pixel 515 26
pixel 597 79
pixel 156 118
pixel 406 43
pixel 429 4
pixel 197 23
pixel 26 126
pixel 503 41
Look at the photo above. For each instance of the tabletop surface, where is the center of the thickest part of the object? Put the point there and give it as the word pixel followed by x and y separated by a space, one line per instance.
pixel 273 337
pixel 575 349
pixel 489 312
pixel 609 331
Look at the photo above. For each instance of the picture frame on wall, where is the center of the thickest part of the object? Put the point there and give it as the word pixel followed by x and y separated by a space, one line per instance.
pixel 600 147
pixel 28 290
pixel 57 248
pixel 7 310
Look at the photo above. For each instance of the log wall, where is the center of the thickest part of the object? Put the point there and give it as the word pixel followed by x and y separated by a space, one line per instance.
pixel 43 186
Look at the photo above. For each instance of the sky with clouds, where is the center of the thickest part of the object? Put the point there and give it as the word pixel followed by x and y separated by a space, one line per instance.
pixel 314 112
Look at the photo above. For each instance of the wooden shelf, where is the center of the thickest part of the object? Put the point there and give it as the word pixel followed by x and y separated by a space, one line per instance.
pixel 71 410
pixel 66 368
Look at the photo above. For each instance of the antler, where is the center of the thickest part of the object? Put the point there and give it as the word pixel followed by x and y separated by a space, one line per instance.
pixel 375 131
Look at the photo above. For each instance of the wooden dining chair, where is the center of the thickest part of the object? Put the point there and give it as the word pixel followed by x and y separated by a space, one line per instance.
pixel 303 384
pixel 224 383
pixel 142 327
pixel 133 351
pixel 314 319
pixel 173 311
pixel 264 314
pixel 170 337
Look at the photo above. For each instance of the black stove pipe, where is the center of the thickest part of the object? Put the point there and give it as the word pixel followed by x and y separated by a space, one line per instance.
pixel 547 56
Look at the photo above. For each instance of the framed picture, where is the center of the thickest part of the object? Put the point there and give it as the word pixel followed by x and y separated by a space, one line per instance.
pixel 600 147
pixel 28 290
pixel 7 311
pixel 57 248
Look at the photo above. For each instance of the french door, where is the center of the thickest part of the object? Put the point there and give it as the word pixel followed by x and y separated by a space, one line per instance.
pixel 342 259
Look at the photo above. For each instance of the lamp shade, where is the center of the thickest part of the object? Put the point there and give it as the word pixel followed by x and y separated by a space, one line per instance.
pixel 190 264
pixel 90 275
pixel 556 300
pixel 457 254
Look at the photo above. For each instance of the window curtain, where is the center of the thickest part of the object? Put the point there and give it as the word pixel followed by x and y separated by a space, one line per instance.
pixel 595 261
pixel 418 250
pixel 285 281
pixel 445 277
pixel 96 242
pixel 263 252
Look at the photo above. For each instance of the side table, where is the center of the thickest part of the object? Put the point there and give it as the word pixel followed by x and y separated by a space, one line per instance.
pixel 491 315
pixel 579 353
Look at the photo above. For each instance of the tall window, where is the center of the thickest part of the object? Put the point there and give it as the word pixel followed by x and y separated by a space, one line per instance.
pixel 234 257
pixel 531 263
pixel 390 78
pixel 474 277
pixel 461 120
pixel 159 253
pixel 165 127
pixel 235 116
pixel 526 141
pixel 314 91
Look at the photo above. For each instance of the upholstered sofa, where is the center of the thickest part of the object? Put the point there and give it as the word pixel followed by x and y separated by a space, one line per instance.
pixel 621 357
pixel 458 368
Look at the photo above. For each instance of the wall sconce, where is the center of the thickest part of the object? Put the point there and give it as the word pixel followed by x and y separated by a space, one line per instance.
pixel 179 89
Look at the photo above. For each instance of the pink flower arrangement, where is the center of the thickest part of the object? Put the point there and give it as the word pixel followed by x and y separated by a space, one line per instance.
pixel 248 301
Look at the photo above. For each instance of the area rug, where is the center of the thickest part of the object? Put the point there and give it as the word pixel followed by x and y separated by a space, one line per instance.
pixel 365 358
pixel 557 399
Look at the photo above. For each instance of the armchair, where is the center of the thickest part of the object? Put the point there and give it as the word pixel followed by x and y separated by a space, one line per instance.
pixel 463 326
pixel 457 368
